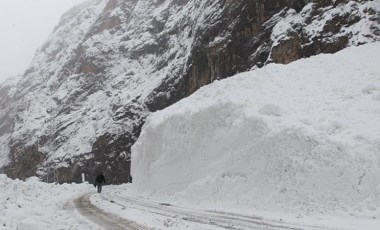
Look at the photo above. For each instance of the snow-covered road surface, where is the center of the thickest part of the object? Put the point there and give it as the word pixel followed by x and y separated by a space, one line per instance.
pixel 109 209
pixel 102 218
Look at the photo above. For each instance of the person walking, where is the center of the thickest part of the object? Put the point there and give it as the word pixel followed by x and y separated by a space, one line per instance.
pixel 99 181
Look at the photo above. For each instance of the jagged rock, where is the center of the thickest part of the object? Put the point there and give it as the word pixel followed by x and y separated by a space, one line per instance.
pixel 25 163
pixel 287 50
pixel 108 64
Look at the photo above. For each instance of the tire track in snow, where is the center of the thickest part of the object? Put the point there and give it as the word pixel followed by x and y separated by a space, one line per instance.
pixel 103 219
pixel 219 219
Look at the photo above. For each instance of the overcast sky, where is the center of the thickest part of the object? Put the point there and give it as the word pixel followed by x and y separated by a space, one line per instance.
pixel 24 27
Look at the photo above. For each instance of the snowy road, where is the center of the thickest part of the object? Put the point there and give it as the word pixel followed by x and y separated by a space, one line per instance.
pixel 102 218
pixel 207 219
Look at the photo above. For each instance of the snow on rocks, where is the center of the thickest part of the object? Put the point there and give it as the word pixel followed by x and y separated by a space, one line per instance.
pixel 298 137
pixel 361 14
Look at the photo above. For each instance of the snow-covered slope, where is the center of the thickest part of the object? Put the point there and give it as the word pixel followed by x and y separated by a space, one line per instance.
pixel 109 63
pixel 303 136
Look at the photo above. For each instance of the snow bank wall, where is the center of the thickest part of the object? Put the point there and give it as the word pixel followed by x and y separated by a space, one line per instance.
pixel 301 136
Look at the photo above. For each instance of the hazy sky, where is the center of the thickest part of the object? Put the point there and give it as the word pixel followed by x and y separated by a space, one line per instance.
pixel 24 26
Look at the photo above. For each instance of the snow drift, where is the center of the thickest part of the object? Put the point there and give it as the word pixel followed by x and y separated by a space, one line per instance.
pixel 34 205
pixel 303 136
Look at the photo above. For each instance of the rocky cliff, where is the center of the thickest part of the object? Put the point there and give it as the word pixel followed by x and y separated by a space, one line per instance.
pixel 109 63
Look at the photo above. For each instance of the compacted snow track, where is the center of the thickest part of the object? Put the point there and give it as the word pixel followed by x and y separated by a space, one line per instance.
pixel 98 216
pixel 216 219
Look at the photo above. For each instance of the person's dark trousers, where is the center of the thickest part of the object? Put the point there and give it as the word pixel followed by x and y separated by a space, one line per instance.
pixel 100 187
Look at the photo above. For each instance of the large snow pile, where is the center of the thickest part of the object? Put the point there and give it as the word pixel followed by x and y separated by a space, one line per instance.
pixel 303 136
pixel 34 205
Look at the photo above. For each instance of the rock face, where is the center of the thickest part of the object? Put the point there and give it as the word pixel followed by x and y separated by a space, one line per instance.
pixel 109 63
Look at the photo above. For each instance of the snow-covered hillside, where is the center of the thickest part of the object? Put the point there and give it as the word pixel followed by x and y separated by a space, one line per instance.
pixel 302 137
pixel 109 63
pixel 284 147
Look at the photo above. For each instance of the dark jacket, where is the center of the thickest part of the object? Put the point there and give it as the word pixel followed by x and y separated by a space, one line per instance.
pixel 100 179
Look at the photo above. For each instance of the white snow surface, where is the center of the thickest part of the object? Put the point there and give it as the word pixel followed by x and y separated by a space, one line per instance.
pixel 303 137
pixel 33 205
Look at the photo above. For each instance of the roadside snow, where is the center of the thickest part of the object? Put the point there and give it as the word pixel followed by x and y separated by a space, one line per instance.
pixel 33 205
pixel 298 138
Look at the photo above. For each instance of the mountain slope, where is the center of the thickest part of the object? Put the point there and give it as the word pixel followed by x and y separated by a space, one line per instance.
pixel 109 63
